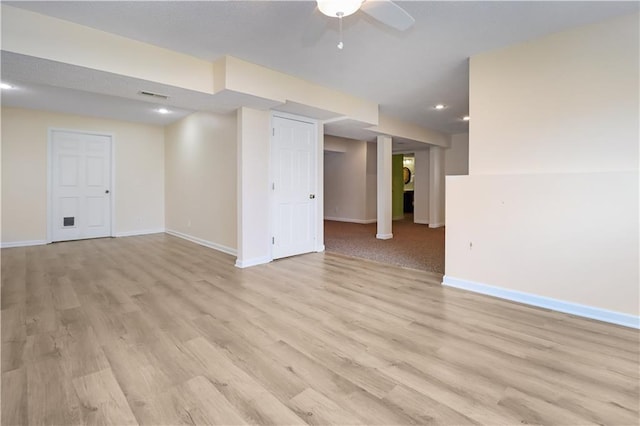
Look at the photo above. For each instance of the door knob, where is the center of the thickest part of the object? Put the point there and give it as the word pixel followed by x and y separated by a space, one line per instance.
pixel 312 196
pixel 106 191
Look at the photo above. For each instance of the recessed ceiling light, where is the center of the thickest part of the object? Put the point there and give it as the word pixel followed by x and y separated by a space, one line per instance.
pixel 466 118
pixel 163 111
pixel 5 86
pixel 440 106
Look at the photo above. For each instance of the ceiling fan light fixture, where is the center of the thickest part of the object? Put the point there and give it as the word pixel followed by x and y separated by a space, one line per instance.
pixel 339 8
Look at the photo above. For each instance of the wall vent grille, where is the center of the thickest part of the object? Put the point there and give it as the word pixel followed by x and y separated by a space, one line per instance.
pixel 153 95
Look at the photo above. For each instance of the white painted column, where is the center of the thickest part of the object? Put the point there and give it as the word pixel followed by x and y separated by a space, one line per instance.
pixel 436 187
pixel 384 188
pixel 421 188
pixel 254 243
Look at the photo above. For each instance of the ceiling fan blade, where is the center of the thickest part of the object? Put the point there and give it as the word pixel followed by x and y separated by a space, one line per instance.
pixel 388 13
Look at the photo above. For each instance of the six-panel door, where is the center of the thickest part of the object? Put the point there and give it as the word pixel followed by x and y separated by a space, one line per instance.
pixel 294 171
pixel 80 185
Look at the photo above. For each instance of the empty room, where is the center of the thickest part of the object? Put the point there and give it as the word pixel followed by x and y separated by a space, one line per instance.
pixel 168 168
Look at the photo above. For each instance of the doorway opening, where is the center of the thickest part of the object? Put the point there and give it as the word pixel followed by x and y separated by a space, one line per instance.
pixel 408 189
pixel 350 195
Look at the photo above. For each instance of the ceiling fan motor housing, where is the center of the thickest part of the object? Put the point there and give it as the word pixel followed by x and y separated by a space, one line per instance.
pixel 339 8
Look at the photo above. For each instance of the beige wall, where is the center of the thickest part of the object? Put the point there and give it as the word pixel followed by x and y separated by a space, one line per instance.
pixel 421 188
pixel 32 34
pixel 437 187
pixel 550 208
pixel 456 158
pixel 200 152
pixel 372 183
pixel 571 237
pixel 565 103
pixel 265 83
pixel 139 172
pixel 254 194
pixel 397 128
pixel 345 179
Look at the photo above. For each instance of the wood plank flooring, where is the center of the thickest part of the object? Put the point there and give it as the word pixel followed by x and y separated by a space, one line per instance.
pixel 155 330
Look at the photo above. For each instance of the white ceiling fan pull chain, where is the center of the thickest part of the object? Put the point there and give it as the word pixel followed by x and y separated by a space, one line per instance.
pixel 340 43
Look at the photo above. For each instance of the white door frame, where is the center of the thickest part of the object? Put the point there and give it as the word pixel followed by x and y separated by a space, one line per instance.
pixel 112 200
pixel 272 200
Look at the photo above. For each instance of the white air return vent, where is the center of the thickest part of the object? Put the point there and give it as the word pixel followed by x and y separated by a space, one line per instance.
pixel 152 95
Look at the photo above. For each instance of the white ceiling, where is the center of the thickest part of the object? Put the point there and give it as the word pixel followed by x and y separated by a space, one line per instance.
pixel 405 72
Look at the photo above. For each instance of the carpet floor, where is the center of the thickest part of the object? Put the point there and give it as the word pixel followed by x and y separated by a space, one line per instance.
pixel 412 246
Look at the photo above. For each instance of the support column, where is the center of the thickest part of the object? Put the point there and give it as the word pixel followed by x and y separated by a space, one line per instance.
pixel 384 189
pixel 436 187
pixel 421 188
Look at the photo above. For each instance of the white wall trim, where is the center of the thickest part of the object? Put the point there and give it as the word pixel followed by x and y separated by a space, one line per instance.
pixel 252 262
pixel 545 302
pixel 320 248
pixel 23 243
pixel 215 246
pixel 436 225
pixel 384 236
pixel 349 220
pixel 421 221
pixel 139 232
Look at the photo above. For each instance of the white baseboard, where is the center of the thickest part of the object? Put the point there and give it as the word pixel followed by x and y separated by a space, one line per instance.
pixel 23 243
pixel 545 302
pixel 252 262
pixel 320 249
pixel 202 242
pixel 43 242
pixel 384 236
pixel 139 232
pixel 436 225
pixel 421 221
pixel 346 219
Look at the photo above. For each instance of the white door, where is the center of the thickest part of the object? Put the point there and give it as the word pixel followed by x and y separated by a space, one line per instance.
pixel 293 152
pixel 80 186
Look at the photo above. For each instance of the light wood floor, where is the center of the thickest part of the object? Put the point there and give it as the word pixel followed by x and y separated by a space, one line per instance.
pixel 156 330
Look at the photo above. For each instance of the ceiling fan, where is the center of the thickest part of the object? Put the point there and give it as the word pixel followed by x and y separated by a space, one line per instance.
pixel 384 11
